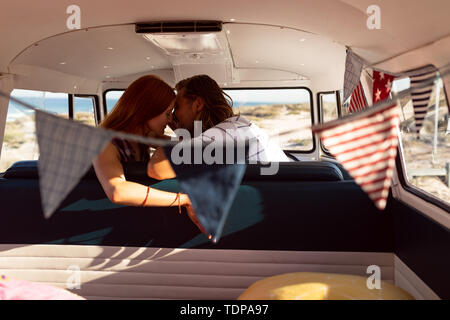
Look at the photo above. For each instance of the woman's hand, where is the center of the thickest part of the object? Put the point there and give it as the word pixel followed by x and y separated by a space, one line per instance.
pixel 186 202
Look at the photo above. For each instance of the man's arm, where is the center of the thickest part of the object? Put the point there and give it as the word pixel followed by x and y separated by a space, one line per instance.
pixel 159 167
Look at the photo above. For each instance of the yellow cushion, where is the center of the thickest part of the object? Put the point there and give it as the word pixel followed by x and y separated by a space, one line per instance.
pixel 320 286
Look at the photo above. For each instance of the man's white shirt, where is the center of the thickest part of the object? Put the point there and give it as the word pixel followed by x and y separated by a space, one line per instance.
pixel 261 147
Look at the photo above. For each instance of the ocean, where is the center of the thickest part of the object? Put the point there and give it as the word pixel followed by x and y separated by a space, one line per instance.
pixel 52 105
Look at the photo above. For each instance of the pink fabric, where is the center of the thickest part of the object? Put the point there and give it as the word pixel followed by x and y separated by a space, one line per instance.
pixel 11 289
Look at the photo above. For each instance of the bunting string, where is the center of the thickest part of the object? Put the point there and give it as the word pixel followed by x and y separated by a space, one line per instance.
pixel 444 71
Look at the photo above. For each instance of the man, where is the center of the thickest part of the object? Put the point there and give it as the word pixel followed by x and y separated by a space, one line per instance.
pixel 200 98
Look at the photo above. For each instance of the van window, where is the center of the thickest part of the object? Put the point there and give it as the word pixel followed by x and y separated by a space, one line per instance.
pixel 19 141
pixel 83 110
pixel 274 110
pixel 285 114
pixel 328 106
pixel 111 98
pixel 427 155
pixel 344 104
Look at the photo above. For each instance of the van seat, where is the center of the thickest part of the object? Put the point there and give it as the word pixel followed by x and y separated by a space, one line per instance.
pixel 288 171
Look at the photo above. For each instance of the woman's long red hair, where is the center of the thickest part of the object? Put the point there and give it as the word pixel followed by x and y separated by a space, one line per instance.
pixel 146 98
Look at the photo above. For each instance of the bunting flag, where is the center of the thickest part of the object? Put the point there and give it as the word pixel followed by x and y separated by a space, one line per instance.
pixel 67 149
pixel 353 68
pixel 421 83
pixel 366 145
pixel 211 189
pixel 382 85
pixel 358 100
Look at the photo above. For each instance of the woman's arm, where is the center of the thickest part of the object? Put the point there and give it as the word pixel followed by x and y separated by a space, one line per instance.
pixel 110 173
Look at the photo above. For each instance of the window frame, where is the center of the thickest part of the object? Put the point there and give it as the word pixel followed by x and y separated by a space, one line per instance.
pixel 320 114
pixel 71 100
pixel 35 136
pixel 311 105
pixel 105 107
pixel 95 102
pixel 409 187
pixel 319 102
pixel 339 102
pixel 400 164
pixel 70 103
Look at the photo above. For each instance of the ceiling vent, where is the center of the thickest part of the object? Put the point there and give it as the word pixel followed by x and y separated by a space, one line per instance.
pixel 181 26
pixel 193 47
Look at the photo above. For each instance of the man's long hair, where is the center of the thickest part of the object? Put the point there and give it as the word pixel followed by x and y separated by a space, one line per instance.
pixel 216 108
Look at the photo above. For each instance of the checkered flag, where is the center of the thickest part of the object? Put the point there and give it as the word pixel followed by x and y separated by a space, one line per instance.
pixel 353 68
pixel 66 149
pixel 422 83
pixel 210 187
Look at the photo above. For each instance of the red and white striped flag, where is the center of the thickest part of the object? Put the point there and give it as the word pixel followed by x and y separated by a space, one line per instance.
pixel 366 145
pixel 358 100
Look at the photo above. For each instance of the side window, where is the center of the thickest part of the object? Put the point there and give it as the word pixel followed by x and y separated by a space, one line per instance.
pixel 83 110
pixel 111 98
pixel 284 113
pixel 426 155
pixel 328 106
pixel 19 141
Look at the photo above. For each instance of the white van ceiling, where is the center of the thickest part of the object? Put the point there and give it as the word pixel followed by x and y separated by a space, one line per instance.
pixel 265 39
pixel 115 52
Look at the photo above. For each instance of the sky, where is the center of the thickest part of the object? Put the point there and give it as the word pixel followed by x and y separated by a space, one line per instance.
pixel 31 93
pixel 400 85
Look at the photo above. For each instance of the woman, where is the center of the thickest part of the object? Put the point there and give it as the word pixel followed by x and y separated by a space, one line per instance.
pixel 144 109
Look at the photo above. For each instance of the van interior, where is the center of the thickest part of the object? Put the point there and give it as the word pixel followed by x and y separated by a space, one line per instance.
pixel 283 64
